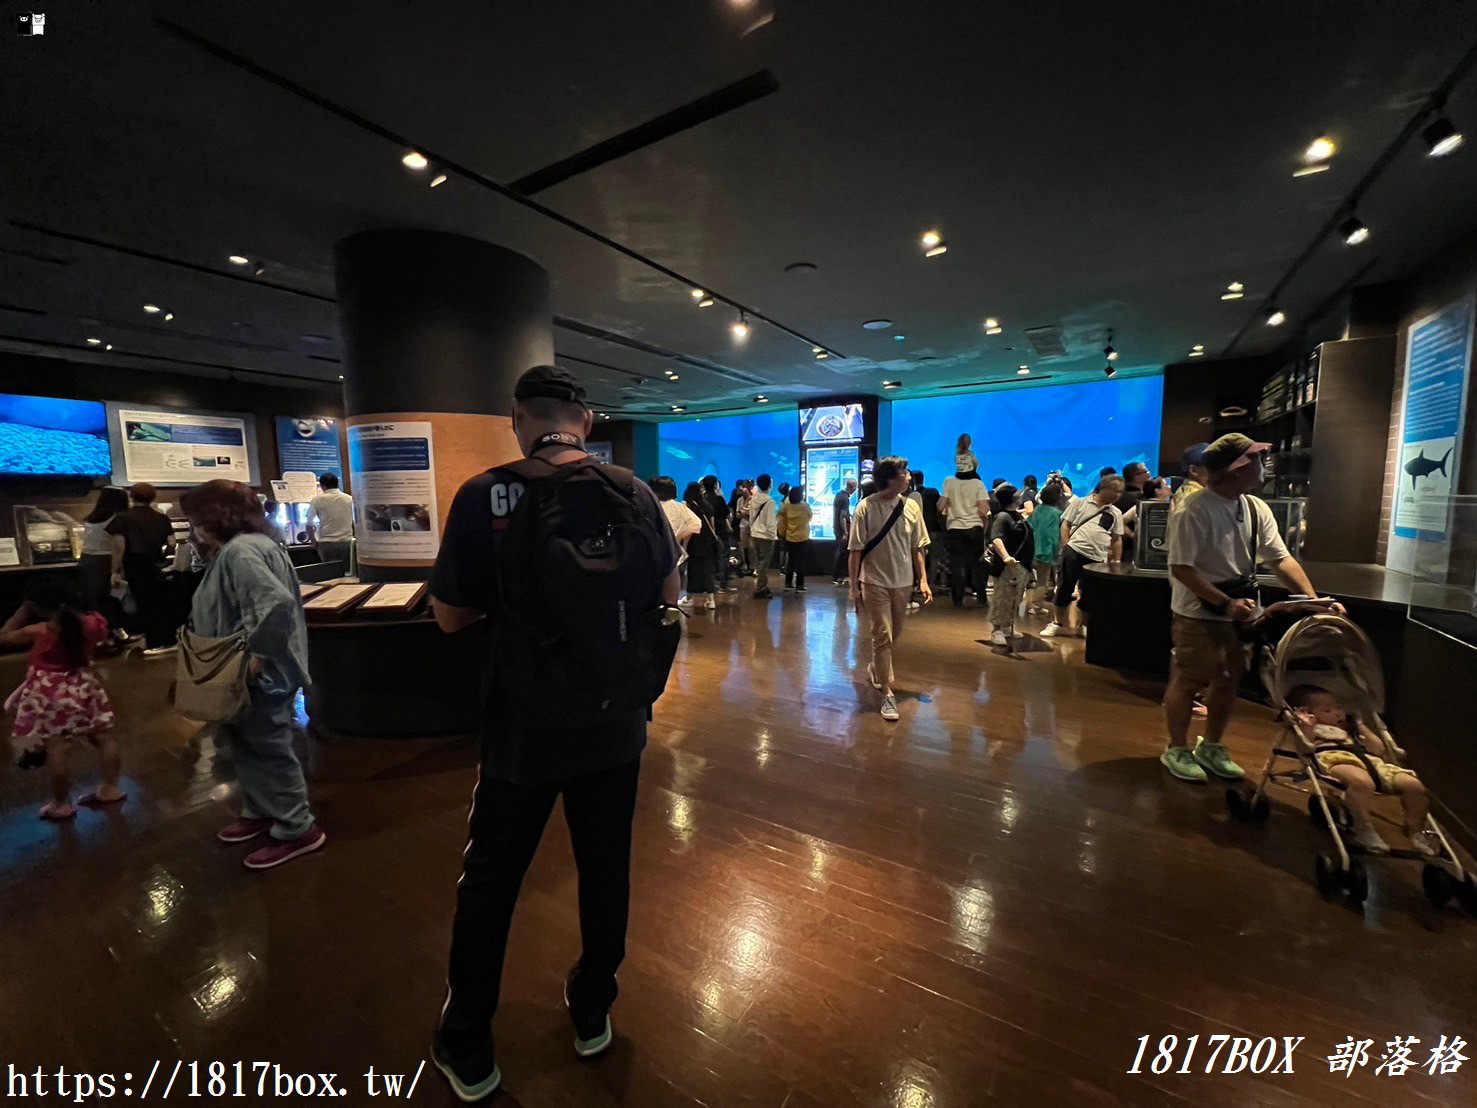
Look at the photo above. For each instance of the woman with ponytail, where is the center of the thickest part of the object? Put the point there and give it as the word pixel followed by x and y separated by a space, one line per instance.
pixel 61 700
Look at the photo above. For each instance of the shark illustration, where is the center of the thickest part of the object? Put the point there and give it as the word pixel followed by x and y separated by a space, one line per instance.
pixel 1422 466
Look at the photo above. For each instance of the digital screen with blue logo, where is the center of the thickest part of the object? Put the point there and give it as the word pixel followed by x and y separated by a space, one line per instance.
pixel 833 423
pixel 1073 429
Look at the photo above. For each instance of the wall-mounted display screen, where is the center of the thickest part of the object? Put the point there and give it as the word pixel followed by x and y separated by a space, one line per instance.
pixel 729 448
pixel 827 469
pixel 833 423
pixel 1076 429
pixel 43 435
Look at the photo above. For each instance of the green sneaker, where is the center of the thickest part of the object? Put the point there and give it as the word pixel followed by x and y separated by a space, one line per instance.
pixel 1213 757
pixel 1180 762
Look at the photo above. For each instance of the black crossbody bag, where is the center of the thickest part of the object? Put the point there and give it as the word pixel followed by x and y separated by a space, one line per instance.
pixel 1243 586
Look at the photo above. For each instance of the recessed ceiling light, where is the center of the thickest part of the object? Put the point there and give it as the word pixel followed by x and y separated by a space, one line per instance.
pixel 1309 170
pixel 1198 352
pixel 1232 295
pixel 1025 369
pixel 761 400
pixel 934 252
pixel 800 268
pixel 698 294
pixel 439 179
pixel 168 316
pixel 892 384
pixel 94 342
pixel 1198 346
pixel 876 324
pixel 340 376
pixel 898 338
pixel 151 308
pixel 1353 232
pixel 817 349
pixel 674 377
pixel 237 259
pixel 1441 138
pixel 414 160
pixel 1276 317
pixel 931 239
pixel 678 408
pixel 1235 286
pixel 823 355
pixel 108 347
pixel 1319 150
pixel 706 302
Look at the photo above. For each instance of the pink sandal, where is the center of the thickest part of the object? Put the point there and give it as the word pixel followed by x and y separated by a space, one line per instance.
pixel 49 813
pixel 92 800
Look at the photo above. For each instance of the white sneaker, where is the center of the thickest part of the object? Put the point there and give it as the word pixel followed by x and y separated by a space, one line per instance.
pixel 1052 630
pixel 913 605
pixel 889 708
pixel 684 602
pixel 711 603
pixel 997 638
pixel 1370 840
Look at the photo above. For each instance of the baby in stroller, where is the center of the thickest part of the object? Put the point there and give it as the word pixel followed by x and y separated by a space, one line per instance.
pixel 1352 755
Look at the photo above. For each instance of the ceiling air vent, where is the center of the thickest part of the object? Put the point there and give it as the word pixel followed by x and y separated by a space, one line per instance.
pixel 1047 341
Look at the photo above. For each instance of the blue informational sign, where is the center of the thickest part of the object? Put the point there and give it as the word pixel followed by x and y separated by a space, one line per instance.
pixel 827 469
pixel 309 446
pixel 1438 352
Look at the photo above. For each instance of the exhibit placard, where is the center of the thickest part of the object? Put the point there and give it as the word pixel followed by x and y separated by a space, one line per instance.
pixel 309 445
pixel 1438 353
pixel 393 468
pixel 172 447
pixel 10 555
pixel 302 486
pixel 1151 540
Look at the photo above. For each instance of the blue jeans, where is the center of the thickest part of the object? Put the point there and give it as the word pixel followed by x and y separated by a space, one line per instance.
pixel 267 768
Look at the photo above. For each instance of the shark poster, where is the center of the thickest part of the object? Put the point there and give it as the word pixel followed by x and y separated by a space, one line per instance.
pixel 1438 354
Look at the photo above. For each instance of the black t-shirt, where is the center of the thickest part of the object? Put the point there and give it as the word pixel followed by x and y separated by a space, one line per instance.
pixel 1013 529
pixel 516 744
pixel 931 521
pixel 145 530
pixel 841 514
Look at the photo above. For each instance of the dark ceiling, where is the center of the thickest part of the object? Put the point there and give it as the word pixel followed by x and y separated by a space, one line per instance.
pixel 1092 167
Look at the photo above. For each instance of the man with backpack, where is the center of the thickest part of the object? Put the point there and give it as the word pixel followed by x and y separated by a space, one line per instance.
pixel 575 570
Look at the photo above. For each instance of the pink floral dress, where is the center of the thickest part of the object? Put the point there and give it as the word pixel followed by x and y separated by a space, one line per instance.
pixel 55 700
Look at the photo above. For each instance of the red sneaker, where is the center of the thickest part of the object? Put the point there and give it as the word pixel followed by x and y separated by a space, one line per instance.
pixel 279 852
pixel 243 830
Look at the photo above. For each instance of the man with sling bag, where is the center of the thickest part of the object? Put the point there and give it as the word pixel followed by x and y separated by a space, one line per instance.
pixel 887 542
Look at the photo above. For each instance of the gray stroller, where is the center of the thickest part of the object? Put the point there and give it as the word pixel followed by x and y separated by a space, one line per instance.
pixel 1304 643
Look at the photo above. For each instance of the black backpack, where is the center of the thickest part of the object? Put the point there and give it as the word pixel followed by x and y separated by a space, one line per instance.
pixel 580 571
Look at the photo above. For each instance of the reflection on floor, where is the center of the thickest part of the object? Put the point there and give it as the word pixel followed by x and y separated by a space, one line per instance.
pixel 990 901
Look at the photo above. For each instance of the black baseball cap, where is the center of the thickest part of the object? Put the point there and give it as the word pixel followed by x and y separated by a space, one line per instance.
pixel 551 382
pixel 1194 455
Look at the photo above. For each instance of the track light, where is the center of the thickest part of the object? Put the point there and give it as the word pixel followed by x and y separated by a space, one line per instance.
pixel 168 316
pixel 1276 317
pixel 931 239
pixel 761 399
pixel 741 328
pixel 992 326
pixel 439 179
pixel 892 384
pixel 678 408
pixel 1110 370
pixel 1319 150
pixel 1353 232
pixel 108 347
pixel 1023 371
pixel 706 302
pixel 414 160
pixel 699 294
pixel 1198 350
pixel 94 342
pixel 151 308
pixel 934 252
pixel 1441 137
pixel 1109 352
pixel 239 259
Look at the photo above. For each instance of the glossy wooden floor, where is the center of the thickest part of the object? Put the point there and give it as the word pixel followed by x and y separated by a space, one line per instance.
pixel 988 902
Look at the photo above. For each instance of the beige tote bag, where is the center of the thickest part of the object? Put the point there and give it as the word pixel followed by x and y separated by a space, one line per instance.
pixel 210 677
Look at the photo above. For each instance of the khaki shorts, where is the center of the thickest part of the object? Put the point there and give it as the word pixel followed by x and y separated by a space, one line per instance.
pixel 1387 773
pixel 1207 650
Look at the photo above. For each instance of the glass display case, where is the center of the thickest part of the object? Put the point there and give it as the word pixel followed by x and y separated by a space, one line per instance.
pixel 1291 514
pixel 1443 591
pixel 47 536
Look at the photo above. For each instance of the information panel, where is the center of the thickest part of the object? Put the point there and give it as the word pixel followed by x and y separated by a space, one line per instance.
pixel 171 447
pixel 393 468
pixel 310 445
pixel 827 469
pixel 1438 352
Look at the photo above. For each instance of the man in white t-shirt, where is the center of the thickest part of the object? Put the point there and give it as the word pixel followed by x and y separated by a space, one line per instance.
pixel 762 533
pixel 883 572
pixel 333 521
pixel 964 502
pixel 1092 531
pixel 1215 546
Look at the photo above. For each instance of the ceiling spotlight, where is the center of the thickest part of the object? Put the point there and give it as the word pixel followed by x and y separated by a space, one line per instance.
pixel 761 400
pixel 237 259
pixel 678 408
pixel 741 328
pixel 414 160
pixel 935 251
pixel 108 347
pixel 1441 138
pixel 439 179
pixel 931 239
pixel 340 376
pixel 892 384
pixel 1276 317
pixel 898 338
pixel 151 308
pixel 1353 232
pixel 698 294
pixel 259 270
pixel 1197 353
pixel 168 316
pixel 94 342
pixel 817 350
pixel 1235 286
pixel 1232 294
pixel 823 355
pixel 706 302
pixel 1309 170
pixel 673 377
pixel 1319 150
pixel 1023 370
pixel 1199 346
pixel 1110 370
pixel 1110 353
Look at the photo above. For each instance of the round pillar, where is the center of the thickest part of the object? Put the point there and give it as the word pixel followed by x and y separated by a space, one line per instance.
pixel 437 329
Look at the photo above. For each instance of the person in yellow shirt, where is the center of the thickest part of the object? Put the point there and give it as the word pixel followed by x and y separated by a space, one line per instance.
pixel 794 532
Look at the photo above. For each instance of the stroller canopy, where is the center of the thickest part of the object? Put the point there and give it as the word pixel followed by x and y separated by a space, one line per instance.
pixel 1330 652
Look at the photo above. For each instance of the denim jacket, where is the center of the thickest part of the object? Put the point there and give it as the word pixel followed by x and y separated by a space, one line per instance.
pixel 250 583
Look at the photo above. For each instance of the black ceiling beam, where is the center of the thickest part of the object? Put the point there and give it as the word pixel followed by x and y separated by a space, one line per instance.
pixel 1433 103
pixel 689 115
pixel 449 165
pixel 229 371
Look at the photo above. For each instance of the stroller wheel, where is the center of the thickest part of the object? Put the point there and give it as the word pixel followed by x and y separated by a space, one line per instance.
pixel 1356 883
pixel 1438 885
pixel 1326 873
pixel 1466 895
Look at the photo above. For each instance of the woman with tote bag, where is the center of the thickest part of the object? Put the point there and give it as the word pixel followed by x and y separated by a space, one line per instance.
pixel 250 590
